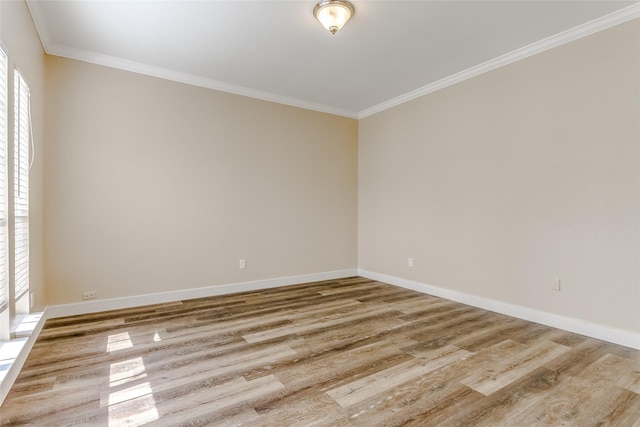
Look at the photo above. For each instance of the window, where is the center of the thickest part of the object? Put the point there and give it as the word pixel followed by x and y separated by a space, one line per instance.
pixel 4 211
pixel 21 185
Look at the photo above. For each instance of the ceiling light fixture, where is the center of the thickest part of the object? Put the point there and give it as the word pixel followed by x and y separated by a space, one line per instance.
pixel 333 14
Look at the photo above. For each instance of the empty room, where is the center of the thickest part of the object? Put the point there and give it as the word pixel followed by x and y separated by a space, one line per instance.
pixel 297 213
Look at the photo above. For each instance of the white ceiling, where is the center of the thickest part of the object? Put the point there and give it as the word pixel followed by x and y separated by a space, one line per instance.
pixel 390 51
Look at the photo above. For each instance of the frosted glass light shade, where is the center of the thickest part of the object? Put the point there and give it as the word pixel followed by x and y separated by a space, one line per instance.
pixel 333 14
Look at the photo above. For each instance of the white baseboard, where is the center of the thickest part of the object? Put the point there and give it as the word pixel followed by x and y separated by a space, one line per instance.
pixel 582 327
pixel 157 298
pixel 98 305
pixel 602 332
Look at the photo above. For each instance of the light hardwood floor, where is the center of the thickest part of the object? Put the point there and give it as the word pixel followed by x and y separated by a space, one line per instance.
pixel 342 352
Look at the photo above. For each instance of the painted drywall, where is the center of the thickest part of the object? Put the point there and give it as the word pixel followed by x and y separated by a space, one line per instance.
pixel 157 186
pixel 25 52
pixel 497 185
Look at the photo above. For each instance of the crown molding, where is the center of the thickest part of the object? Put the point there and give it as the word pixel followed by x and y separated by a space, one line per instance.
pixel 135 67
pixel 190 79
pixel 39 24
pixel 618 17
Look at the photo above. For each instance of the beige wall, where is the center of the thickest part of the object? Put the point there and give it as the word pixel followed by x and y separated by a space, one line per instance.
pixel 499 184
pixel 21 40
pixel 494 186
pixel 158 186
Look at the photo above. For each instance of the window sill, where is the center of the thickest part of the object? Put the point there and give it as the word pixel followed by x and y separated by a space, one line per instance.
pixel 21 330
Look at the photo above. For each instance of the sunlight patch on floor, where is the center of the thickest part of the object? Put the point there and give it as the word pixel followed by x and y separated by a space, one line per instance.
pixel 126 371
pixel 119 342
pixel 135 404
pixel 136 411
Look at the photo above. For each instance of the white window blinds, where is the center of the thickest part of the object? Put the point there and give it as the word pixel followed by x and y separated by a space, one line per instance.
pixel 4 211
pixel 21 184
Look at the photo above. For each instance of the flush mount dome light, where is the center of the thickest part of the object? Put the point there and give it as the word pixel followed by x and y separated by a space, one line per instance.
pixel 333 14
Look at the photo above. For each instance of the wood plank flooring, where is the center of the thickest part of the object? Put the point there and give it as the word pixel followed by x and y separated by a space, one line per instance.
pixel 342 352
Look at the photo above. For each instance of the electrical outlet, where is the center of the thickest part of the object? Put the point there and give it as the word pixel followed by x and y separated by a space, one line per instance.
pixel 89 295
pixel 555 285
pixel 242 264
pixel 410 262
